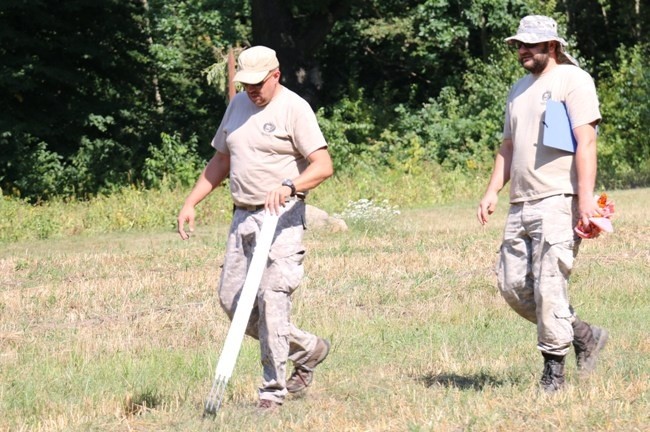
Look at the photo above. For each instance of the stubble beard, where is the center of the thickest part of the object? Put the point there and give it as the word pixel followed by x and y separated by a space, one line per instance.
pixel 538 62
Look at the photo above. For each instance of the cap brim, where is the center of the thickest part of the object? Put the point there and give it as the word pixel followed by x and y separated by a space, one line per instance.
pixel 532 38
pixel 250 77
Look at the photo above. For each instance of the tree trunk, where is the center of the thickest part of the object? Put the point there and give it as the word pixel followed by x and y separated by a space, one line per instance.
pixel 295 41
pixel 157 97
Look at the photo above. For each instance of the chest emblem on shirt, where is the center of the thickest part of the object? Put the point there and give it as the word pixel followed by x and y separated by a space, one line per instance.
pixel 268 127
pixel 546 96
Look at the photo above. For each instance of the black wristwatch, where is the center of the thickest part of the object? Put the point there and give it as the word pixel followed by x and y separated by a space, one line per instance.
pixel 289 184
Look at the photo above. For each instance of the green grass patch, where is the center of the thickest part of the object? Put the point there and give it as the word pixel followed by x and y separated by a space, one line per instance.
pixel 138 210
pixel 122 330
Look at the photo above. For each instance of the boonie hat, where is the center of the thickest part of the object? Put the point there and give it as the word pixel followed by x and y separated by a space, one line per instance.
pixel 536 29
pixel 254 64
pixel 539 28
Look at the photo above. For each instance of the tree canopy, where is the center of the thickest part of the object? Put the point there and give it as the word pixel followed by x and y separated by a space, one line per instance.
pixel 100 95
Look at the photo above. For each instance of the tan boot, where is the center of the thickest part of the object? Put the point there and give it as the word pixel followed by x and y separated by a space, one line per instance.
pixel 303 374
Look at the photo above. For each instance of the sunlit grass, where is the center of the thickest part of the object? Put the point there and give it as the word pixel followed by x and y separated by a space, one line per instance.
pixel 137 210
pixel 123 331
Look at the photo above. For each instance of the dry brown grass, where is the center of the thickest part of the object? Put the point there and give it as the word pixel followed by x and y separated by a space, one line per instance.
pixel 122 332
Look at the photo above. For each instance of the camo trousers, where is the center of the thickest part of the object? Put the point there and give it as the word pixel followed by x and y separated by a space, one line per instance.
pixel 269 323
pixel 536 259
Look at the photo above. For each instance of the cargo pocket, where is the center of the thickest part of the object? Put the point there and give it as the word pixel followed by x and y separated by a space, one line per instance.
pixel 559 255
pixel 560 245
pixel 286 264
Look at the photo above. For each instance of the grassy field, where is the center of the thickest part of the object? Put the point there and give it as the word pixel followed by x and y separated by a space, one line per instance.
pixel 121 332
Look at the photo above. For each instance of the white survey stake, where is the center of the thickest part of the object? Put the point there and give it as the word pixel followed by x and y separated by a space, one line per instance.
pixel 235 336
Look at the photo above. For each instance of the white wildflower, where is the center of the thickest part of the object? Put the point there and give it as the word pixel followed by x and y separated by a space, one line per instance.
pixel 368 210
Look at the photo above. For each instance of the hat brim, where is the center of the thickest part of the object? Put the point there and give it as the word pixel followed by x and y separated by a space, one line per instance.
pixel 533 38
pixel 245 77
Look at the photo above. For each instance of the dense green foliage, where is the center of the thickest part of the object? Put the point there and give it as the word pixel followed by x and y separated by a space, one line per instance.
pixel 99 96
pixel 625 149
pixel 90 90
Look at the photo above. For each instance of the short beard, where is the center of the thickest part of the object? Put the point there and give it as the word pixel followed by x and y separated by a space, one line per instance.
pixel 538 65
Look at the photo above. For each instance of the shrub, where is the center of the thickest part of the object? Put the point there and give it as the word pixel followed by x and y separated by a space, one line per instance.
pixel 348 128
pixel 38 173
pixel 624 142
pixel 459 129
pixel 174 163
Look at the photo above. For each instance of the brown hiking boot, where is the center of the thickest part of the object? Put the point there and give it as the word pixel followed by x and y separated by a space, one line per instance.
pixel 553 375
pixel 588 341
pixel 303 374
pixel 267 405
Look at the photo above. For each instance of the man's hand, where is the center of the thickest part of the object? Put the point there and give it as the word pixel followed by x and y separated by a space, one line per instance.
pixel 500 176
pixel 186 215
pixel 586 165
pixel 276 198
pixel 213 174
pixel 486 207
pixel 587 208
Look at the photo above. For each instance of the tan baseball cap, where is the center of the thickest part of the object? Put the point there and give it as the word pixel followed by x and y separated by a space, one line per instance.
pixel 254 64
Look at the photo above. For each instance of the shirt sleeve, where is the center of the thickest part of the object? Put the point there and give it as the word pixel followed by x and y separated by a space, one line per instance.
pixel 307 134
pixel 582 100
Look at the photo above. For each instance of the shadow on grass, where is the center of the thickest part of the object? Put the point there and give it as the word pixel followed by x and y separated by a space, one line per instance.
pixel 471 382
pixel 142 402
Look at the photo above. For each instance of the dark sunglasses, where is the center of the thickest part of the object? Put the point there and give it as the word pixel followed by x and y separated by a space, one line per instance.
pixel 261 83
pixel 519 45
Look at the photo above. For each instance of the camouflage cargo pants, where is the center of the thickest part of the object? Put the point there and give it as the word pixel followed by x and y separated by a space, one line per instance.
pixel 270 318
pixel 536 259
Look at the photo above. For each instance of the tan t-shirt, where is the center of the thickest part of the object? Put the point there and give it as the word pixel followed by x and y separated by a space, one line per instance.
pixel 538 171
pixel 266 144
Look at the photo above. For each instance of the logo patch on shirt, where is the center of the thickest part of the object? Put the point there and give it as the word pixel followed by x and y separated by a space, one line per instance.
pixel 268 127
pixel 546 96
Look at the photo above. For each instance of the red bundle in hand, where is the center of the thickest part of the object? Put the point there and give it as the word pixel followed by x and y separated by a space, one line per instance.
pixel 601 222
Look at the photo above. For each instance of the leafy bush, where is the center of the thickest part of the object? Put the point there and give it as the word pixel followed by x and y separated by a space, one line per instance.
pixel 99 165
pixel 624 142
pixel 348 127
pixel 173 163
pixel 37 172
pixel 461 128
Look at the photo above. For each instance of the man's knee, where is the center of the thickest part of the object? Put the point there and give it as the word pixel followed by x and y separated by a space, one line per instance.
pixel 520 298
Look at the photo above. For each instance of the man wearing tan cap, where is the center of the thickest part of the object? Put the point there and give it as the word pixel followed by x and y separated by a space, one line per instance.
pixel 551 192
pixel 270 145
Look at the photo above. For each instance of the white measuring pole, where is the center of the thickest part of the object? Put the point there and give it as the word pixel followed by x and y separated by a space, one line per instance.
pixel 235 336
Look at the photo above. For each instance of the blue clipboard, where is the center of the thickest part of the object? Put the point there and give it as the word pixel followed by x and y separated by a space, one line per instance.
pixel 557 127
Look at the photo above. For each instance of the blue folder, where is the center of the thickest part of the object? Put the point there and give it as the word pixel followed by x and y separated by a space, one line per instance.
pixel 557 127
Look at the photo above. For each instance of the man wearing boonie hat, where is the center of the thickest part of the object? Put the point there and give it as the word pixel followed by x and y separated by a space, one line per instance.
pixel 551 190
pixel 270 146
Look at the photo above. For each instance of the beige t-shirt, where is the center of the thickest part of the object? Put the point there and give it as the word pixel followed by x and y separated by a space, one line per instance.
pixel 538 171
pixel 266 144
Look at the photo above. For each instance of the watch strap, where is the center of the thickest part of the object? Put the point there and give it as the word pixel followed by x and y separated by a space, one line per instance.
pixel 290 185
